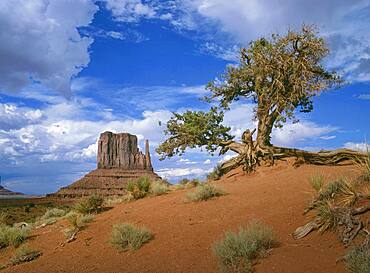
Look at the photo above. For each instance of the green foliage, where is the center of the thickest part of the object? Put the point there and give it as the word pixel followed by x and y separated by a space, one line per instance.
pixel 139 188
pixel 13 236
pixel 78 221
pixel 215 174
pixel 158 188
pixel 204 192
pixel 129 237
pixel 236 251
pixel 317 182
pixel 53 213
pixel 88 205
pixel 194 129
pixel 280 75
pixel 358 259
pixel 25 254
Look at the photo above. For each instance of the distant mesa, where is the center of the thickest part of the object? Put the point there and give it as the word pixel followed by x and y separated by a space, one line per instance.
pixel 6 192
pixel 119 160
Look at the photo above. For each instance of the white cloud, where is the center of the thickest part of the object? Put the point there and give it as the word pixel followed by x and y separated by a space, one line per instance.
pixel 13 117
pixel 294 133
pixel 207 162
pixel 178 172
pixel 357 146
pixel 40 42
pixel 364 97
pixel 186 161
pixel 130 10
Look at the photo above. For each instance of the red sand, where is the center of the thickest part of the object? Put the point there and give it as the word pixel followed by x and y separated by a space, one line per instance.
pixel 185 232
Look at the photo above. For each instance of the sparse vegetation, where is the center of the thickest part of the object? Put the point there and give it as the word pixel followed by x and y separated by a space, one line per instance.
pixel 237 251
pixel 91 204
pixel 127 236
pixel 317 182
pixel 53 213
pixel 215 174
pixel 139 188
pixel 204 192
pixel 12 236
pixel 3 218
pixel 358 259
pixel 78 222
pixel 158 188
pixel 25 254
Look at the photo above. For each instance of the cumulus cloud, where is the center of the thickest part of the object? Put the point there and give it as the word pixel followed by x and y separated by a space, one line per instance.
pixel 130 10
pixel 41 42
pixel 13 117
pixel 179 172
pixel 362 146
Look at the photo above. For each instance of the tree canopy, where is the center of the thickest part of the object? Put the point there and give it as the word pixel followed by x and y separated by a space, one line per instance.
pixel 280 74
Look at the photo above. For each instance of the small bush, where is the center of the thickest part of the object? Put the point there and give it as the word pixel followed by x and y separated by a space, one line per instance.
pixel 215 174
pixel 158 188
pixel 4 217
pixel 88 205
pixel 12 236
pixel 317 182
pixel 358 259
pixel 237 251
pixel 53 213
pixel 25 254
pixel 78 221
pixel 204 192
pixel 129 237
pixel 139 188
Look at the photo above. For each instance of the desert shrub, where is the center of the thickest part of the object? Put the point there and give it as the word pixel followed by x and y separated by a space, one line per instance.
pixel 317 182
pixel 236 251
pixel 358 259
pixel 158 188
pixel 127 236
pixel 215 174
pixel 113 200
pixel 204 192
pixel 91 204
pixel 77 222
pixel 4 218
pixel 139 188
pixel 53 213
pixel 13 236
pixel 25 254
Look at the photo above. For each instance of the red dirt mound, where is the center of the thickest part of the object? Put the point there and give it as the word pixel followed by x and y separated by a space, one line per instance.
pixel 185 232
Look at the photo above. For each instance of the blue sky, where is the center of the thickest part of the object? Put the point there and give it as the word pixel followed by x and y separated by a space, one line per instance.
pixel 71 69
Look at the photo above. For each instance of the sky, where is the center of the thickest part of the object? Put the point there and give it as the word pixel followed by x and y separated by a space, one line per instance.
pixel 72 69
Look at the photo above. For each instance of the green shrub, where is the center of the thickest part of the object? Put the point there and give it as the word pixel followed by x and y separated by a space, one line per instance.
pixel 13 236
pixel 129 237
pixel 237 251
pixel 53 213
pixel 91 204
pixel 204 192
pixel 139 188
pixel 317 182
pixel 158 188
pixel 358 259
pixel 215 174
pixel 25 254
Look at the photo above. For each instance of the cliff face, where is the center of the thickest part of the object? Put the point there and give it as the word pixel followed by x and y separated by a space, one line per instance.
pixel 120 151
pixel 119 161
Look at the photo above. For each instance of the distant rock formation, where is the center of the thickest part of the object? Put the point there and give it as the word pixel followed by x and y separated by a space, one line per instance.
pixel 4 191
pixel 118 161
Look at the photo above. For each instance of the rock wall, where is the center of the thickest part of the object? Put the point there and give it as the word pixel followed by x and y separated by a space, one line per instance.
pixel 121 151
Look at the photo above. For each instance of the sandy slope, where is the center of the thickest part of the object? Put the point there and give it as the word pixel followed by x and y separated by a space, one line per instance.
pixel 184 232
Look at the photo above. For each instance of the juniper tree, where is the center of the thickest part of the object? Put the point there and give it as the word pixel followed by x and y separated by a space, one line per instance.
pixel 280 75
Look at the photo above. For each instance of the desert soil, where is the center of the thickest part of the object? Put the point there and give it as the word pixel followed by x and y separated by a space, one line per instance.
pixel 184 232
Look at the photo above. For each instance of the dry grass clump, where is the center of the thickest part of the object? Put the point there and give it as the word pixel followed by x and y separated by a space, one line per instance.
pixel 53 213
pixel 159 188
pixel 139 188
pixel 358 259
pixel 13 236
pixel 127 236
pixel 4 218
pixel 204 192
pixel 25 254
pixel 91 204
pixel 215 174
pixel 77 222
pixel 236 252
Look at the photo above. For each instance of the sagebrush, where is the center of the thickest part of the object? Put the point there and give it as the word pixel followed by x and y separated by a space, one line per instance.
pixel 204 192
pixel 237 251
pixel 127 236
pixel 91 204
